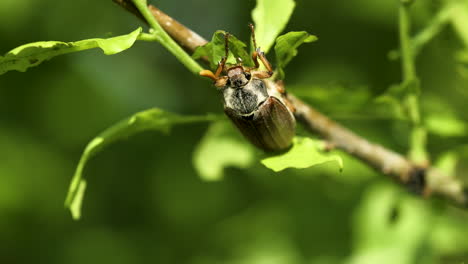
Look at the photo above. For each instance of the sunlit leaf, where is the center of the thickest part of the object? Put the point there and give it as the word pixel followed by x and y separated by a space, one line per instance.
pixel 286 47
pixel 221 147
pixel 449 235
pixel 447 162
pixel 75 206
pixel 271 17
pixel 446 125
pixel 152 119
pixel 389 227
pixel 33 54
pixel 459 19
pixel 215 50
pixel 304 153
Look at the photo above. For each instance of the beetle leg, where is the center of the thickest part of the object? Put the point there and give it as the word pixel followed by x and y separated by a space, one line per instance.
pixel 279 86
pixel 209 74
pixel 256 51
pixel 221 82
pixel 252 28
pixel 259 54
pixel 261 74
pixel 255 60
pixel 219 70
pixel 265 61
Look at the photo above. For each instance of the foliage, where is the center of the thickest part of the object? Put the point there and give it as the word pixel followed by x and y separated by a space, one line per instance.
pixel 144 202
pixel 152 119
pixel 221 147
pixel 304 153
pixel 33 54
pixel 271 18
pixel 215 50
pixel 286 48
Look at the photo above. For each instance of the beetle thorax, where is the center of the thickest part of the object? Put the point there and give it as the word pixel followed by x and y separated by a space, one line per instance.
pixel 245 99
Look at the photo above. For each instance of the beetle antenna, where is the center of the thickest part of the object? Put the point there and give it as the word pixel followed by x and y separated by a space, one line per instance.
pixel 252 28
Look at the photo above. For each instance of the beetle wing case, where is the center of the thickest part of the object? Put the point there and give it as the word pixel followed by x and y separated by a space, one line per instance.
pixel 270 127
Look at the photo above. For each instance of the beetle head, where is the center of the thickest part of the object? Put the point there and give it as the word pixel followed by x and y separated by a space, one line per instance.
pixel 237 77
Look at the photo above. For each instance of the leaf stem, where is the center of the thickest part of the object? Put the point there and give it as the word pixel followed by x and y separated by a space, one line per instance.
pixel 433 28
pixel 166 40
pixel 417 151
pixel 147 37
pixel 405 44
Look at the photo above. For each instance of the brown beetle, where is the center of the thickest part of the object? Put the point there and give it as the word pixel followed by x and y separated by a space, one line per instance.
pixel 257 109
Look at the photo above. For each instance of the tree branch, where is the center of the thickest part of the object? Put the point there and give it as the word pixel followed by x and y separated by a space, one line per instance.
pixel 419 180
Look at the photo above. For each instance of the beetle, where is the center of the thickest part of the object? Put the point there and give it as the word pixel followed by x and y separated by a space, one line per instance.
pixel 257 108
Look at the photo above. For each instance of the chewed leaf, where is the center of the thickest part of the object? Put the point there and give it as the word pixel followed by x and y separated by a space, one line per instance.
pixel 215 50
pixel 305 152
pixel 33 54
pixel 286 47
pixel 221 147
pixel 152 119
pixel 271 17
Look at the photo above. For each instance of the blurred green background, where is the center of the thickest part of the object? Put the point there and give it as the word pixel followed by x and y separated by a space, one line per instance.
pixel 145 202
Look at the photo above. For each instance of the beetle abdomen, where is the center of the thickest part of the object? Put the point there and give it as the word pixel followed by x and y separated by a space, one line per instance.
pixel 270 127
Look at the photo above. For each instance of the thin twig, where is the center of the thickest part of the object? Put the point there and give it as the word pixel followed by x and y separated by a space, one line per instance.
pixel 422 181
pixel 431 30
pixel 410 82
pixel 181 34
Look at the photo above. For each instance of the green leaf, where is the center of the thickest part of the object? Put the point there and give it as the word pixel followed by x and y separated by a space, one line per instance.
pixel 446 125
pixel 397 98
pixel 447 163
pixel 33 54
pixel 152 119
pixel 75 206
pixel 221 147
pixel 270 17
pixel 215 50
pixel 286 47
pixel 390 227
pixel 304 153
pixel 459 19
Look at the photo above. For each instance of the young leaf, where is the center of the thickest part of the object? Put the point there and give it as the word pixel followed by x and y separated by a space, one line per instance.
pixel 305 152
pixel 447 162
pixel 459 21
pixel 33 54
pixel 286 47
pixel 215 50
pixel 222 146
pixel 390 227
pixel 445 124
pixel 152 119
pixel 270 17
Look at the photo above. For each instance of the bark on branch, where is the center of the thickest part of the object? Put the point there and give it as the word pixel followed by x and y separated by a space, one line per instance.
pixel 421 181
